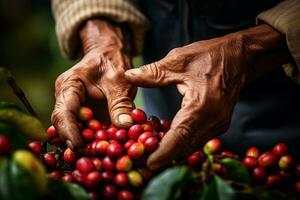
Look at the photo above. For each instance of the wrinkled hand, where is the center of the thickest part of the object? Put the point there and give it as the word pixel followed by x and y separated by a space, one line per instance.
pixel 209 75
pixel 99 75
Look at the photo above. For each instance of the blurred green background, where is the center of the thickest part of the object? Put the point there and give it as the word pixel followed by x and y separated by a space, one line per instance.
pixel 29 49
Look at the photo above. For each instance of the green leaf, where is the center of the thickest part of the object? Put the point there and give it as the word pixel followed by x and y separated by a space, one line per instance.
pixel 236 170
pixel 15 182
pixel 61 190
pixel 218 189
pixel 4 104
pixel 27 125
pixel 16 138
pixel 168 185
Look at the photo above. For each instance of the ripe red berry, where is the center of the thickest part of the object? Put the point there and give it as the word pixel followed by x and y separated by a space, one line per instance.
pixel 212 146
pixel 67 178
pixel 124 163
pixel 36 147
pixel 69 156
pixel 94 195
pixel 50 160
pixel 273 180
pixel 121 136
pixel 253 152
pixel 121 179
pixel 259 173
pixel 111 132
pixel 135 131
pixel 144 136
pixel 101 135
pixel 280 149
pixel 56 174
pixel 250 162
pixel 57 141
pixel 88 135
pixel 109 192
pixel 218 168
pixel 97 163
pixel 297 187
pixel 94 124
pixel 267 159
pixel 196 159
pixel 108 176
pixel 114 150
pixel 128 144
pixel 51 132
pixel 108 164
pixel 78 177
pixel 85 114
pixel 138 116
pixel 286 162
pixel 155 123
pixel 151 144
pixel 85 165
pixel 100 147
pixel 125 195
pixel 165 125
pixel 136 150
pixel 92 179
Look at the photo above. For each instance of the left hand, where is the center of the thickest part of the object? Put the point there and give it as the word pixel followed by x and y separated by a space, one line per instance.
pixel 209 75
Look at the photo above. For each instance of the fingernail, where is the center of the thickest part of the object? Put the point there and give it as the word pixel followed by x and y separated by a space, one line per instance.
pixel 125 119
pixel 70 145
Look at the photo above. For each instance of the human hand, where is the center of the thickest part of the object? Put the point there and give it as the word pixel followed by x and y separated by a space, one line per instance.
pixel 209 75
pixel 99 76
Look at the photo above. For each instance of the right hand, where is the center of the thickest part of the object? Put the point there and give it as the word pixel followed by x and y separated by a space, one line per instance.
pixel 99 76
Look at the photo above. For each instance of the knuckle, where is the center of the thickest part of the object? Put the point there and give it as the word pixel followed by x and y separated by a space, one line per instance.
pixel 175 53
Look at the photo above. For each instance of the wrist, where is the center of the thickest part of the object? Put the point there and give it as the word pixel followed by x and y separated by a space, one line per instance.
pixel 104 36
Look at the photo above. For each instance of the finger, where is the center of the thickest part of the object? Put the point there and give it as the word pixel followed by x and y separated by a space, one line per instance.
pixel 120 107
pixel 69 94
pixel 151 75
pixel 179 140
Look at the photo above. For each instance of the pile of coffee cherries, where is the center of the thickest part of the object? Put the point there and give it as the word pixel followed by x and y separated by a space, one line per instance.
pixel 269 168
pixel 112 164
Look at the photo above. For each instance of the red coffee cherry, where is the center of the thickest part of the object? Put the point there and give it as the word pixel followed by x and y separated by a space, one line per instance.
pixel 67 178
pixel 128 144
pixel 114 150
pixel 197 158
pixel 100 147
pixel 101 135
pixel 85 114
pixel 124 163
pixel 85 165
pixel 97 163
pixel 125 195
pixel 51 132
pixel 273 180
pixel 94 124
pixel 253 152
pixel 88 134
pixel 267 159
pixel 135 131
pixel 108 164
pixel 69 156
pixel 138 116
pixel 165 125
pixel 136 150
pixel 144 136
pixel 280 149
pixel 297 187
pixel 56 174
pixel 50 160
pixel 108 176
pixel 109 192
pixel 121 179
pixel 151 144
pixel 111 132
pixel 121 136
pixel 78 176
pixel 250 162
pixel 155 123
pixel 92 179
pixel 35 147
pixel 259 173
pixel 212 146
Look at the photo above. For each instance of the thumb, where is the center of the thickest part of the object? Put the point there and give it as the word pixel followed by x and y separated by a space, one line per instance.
pixel 154 74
